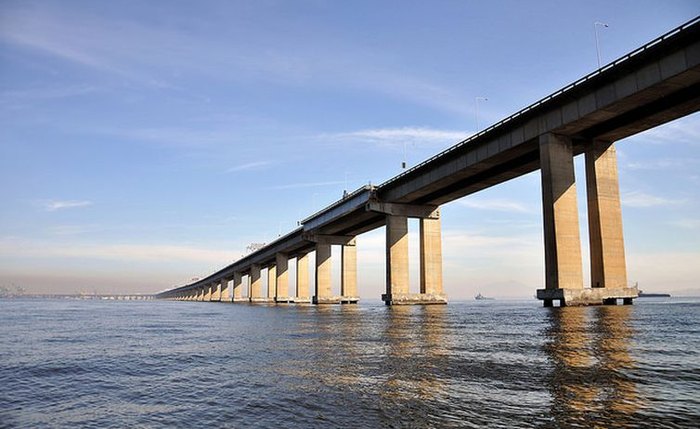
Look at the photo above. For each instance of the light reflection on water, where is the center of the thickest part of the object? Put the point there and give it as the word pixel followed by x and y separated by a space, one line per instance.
pixel 496 364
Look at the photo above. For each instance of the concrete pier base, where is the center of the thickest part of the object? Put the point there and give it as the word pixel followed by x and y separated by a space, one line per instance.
pixel 333 299
pixel 349 299
pixel 587 296
pixel 284 299
pixel 262 300
pixel 301 300
pixel 414 298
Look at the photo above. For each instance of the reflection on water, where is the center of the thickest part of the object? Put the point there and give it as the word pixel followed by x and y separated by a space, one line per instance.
pixel 491 364
pixel 589 348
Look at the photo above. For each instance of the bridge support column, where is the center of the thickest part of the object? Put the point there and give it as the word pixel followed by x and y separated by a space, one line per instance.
pixel 237 286
pixel 323 294
pixel 431 261
pixel 348 273
pixel 562 242
pixel 282 280
pixel 607 247
pixel 225 294
pixel 303 294
pixel 202 293
pixel 207 292
pixel 256 294
pixel 271 283
pixel 215 291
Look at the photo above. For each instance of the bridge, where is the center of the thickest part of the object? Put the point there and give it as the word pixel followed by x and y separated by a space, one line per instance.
pixel 657 83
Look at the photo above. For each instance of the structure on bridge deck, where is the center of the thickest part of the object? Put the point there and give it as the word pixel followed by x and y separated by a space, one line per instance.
pixel 655 84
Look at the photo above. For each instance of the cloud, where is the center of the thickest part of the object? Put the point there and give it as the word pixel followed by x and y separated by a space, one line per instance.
pixel 501 205
pixel 308 185
pixel 22 248
pixel 19 98
pixel 662 164
pixel 55 205
pixel 641 199
pixel 687 223
pixel 684 130
pixel 157 56
pixel 255 165
pixel 396 136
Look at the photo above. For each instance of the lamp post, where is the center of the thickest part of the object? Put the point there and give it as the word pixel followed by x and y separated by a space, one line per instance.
pixel 597 42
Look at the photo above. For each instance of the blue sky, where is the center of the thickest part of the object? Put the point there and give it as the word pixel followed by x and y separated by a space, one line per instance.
pixel 143 144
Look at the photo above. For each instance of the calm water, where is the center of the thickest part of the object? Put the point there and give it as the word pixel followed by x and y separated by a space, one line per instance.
pixel 479 364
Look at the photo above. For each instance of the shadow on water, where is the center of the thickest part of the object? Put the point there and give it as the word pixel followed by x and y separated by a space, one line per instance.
pixel 590 383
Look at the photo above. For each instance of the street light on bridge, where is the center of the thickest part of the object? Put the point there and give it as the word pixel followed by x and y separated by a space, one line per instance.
pixel 597 42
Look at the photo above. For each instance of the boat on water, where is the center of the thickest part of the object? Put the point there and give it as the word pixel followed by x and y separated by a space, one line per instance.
pixel 643 294
pixel 479 296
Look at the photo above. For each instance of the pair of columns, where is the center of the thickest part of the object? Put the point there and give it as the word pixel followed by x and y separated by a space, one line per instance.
pixel 563 264
pixel 397 263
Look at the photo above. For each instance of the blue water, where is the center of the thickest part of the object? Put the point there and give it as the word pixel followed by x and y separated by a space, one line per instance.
pixel 123 364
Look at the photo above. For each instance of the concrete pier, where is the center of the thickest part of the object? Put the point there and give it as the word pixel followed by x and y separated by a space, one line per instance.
pixel 323 294
pixel 271 283
pixel 396 259
pixel 348 273
pixel 282 291
pixel 238 288
pixel 431 261
pixel 216 291
pixel 303 294
pixel 562 242
pixel 225 295
pixel 608 266
pixel 256 292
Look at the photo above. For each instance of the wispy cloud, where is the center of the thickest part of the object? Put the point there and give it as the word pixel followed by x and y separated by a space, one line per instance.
pixel 685 130
pixel 13 248
pixel 663 164
pixel 158 56
pixel 308 185
pixel 55 205
pixel 396 136
pixel 501 205
pixel 642 200
pixel 19 98
pixel 255 165
pixel 688 223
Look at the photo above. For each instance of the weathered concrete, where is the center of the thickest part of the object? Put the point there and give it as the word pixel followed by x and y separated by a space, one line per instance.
pixel 431 259
pixel 303 294
pixel 323 294
pixel 396 258
pixel 238 288
pixel 256 292
pixel 225 294
pixel 282 294
pixel 348 273
pixel 216 292
pixel 587 296
pixel 207 293
pixel 562 242
pixel 272 282
pixel 608 267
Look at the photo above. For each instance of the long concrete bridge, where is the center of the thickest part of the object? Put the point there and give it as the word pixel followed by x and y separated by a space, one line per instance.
pixel 654 84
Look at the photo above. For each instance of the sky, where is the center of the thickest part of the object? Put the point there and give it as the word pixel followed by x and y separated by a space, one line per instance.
pixel 143 144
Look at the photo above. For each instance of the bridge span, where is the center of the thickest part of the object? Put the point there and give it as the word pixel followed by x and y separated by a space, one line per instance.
pixel 657 83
